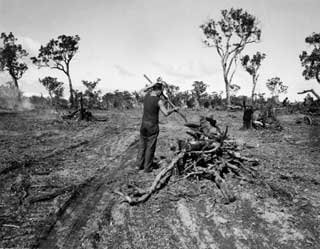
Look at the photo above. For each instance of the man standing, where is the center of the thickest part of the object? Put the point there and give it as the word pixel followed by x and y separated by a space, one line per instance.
pixel 149 129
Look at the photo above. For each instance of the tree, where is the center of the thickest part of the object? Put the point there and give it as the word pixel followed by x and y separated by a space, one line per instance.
pixel 199 90
pixel 252 65
pixel 311 61
pixel 57 54
pixel 54 87
pixel 91 97
pixel 172 93
pixel 276 86
pixel 230 35
pixel 11 58
pixel 118 99
pixel 182 98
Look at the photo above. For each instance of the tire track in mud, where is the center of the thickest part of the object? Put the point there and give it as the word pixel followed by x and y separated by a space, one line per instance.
pixel 93 204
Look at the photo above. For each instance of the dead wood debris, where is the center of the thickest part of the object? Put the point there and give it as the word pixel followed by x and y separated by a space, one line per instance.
pixel 209 154
pixel 27 161
pixel 54 194
pixel 81 113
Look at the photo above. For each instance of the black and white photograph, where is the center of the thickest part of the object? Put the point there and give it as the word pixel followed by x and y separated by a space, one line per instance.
pixel 159 124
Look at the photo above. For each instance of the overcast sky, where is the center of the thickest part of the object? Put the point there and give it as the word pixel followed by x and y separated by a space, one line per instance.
pixel 123 39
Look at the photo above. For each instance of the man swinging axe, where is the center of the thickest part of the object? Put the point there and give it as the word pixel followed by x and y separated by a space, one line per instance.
pixel 149 129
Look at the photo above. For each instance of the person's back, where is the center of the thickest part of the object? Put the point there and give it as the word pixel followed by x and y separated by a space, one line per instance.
pixel 150 119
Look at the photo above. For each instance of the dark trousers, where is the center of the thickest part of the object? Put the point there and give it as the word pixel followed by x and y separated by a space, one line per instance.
pixel 146 151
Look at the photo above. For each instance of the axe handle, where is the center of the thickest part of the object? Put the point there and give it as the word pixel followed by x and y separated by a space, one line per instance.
pixel 173 106
pixel 148 79
pixel 169 101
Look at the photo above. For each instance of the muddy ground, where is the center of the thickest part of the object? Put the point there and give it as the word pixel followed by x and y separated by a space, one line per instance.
pixel 57 180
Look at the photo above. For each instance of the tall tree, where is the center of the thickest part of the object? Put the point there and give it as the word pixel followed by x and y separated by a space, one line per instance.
pixel 252 65
pixel 311 61
pixel 57 54
pixel 11 56
pixel 276 86
pixel 230 35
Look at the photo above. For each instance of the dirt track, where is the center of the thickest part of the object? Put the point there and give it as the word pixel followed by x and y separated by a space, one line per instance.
pixel 278 209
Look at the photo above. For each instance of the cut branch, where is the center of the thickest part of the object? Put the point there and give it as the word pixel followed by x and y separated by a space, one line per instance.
pixel 161 178
pixel 310 91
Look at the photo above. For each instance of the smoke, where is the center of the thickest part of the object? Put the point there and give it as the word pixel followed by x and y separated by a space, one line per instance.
pixel 12 99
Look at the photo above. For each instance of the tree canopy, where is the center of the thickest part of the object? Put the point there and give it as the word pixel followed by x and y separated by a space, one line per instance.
pixel 92 96
pixel 53 86
pixel 57 54
pixel 11 55
pixel 311 61
pixel 252 65
pixel 229 36
pixel 199 91
pixel 276 86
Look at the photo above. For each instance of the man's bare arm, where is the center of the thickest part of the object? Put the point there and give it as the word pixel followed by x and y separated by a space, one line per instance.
pixel 164 110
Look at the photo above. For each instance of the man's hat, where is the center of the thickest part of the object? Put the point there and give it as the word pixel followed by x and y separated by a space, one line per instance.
pixel 157 86
pixel 159 80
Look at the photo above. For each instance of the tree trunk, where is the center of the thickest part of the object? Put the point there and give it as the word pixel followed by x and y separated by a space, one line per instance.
pixel 51 98
pixel 247 118
pixel 254 82
pixel 71 98
pixel 15 81
pixel 227 84
pixel 81 107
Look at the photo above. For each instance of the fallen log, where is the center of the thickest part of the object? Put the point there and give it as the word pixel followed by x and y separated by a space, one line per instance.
pixel 157 183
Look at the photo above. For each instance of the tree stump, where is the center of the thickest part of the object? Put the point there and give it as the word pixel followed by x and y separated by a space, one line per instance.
pixel 247 118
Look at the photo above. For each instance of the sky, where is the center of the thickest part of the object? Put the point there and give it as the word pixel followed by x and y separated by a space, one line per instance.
pixel 123 39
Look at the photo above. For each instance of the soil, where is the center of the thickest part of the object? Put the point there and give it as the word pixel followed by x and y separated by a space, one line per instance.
pixel 85 162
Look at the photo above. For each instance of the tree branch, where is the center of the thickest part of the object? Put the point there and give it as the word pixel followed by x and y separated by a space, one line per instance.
pixel 234 70
pixel 310 91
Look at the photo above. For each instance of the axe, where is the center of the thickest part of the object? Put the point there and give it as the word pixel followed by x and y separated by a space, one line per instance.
pixel 166 97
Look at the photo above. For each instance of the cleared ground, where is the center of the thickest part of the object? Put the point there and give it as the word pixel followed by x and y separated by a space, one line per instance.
pixel 280 208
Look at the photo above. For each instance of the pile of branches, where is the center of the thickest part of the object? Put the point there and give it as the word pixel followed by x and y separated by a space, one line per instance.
pixel 207 154
pixel 79 114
